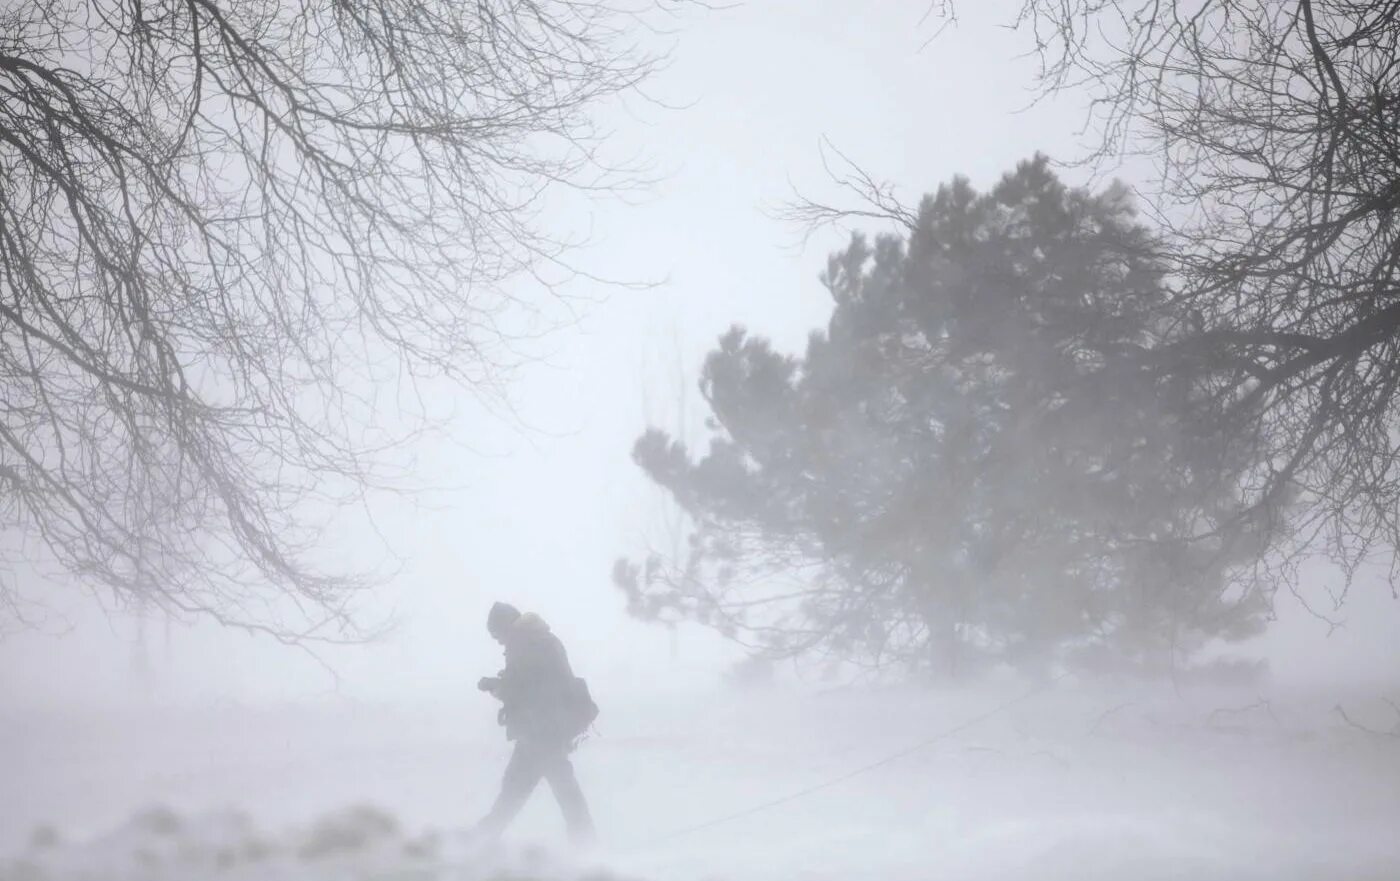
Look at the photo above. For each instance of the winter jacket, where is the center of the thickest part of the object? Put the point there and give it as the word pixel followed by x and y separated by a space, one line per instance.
pixel 535 685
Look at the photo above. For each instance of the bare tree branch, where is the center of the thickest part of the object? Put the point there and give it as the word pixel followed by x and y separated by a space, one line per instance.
pixel 225 228
pixel 1275 128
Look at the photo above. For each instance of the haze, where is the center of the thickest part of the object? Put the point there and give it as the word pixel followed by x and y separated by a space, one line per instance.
pixel 105 713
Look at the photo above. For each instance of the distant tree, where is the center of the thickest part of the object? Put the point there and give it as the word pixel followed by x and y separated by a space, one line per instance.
pixel 224 227
pixel 1276 129
pixel 963 468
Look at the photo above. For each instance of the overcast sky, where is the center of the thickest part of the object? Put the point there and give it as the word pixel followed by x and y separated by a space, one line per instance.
pixel 544 500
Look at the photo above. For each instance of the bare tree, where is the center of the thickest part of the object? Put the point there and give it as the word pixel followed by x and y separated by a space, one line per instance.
pixel 224 227
pixel 1275 126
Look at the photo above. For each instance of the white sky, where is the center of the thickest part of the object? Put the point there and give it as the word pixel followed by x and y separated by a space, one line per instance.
pixel 541 513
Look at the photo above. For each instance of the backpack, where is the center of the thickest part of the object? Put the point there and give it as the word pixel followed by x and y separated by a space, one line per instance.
pixel 580 710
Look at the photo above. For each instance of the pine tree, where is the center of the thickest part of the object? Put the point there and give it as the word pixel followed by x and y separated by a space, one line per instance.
pixel 966 467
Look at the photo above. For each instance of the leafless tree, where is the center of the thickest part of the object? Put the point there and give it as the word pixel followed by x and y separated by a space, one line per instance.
pixel 1275 126
pixel 226 228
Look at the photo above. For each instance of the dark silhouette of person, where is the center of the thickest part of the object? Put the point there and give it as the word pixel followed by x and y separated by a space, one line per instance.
pixel 539 709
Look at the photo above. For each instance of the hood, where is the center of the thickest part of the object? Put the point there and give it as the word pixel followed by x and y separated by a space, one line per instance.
pixel 530 623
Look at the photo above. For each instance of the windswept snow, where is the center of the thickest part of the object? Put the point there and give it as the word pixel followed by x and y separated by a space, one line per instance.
pixel 1071 783
pixel 359 842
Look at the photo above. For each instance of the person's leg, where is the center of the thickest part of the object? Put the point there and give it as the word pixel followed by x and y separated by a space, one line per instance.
pixel 522 775
pixel 559 771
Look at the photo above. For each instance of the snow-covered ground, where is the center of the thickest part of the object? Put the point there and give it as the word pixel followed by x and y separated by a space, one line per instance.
pixel 1070 783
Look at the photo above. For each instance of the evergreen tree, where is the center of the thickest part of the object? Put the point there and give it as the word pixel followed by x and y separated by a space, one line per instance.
pixel 965 467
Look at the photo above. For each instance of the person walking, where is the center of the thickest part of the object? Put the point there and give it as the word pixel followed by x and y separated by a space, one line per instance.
pixel 545 710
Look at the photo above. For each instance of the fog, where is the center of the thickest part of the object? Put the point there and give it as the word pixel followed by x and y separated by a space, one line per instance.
pixel 107 715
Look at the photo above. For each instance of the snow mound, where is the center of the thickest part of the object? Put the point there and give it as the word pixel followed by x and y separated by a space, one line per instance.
pixel 361 843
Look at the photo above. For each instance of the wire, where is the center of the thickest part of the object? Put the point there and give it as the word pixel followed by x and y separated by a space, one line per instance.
pixel 864 769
